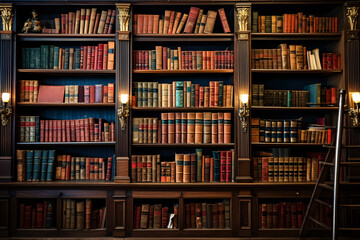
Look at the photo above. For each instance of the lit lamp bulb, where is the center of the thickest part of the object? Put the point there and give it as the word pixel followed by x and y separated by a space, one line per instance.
pixel 5 97
pixel 244 98
pixel 356 97
pixel 124 99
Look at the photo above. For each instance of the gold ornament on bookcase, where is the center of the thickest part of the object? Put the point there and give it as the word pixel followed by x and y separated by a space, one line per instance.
pixel 124 16
pixel 123 111
pixel 352 15
pixel 7 16
pixel 5 111
pixel 242 15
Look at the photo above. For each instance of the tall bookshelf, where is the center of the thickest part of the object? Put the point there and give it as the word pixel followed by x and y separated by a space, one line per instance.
pixel 243 193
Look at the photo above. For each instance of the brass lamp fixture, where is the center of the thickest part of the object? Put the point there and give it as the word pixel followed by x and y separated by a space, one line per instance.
pixel 244 111
pixel 123 111
pixel 354 112
pixel 5 110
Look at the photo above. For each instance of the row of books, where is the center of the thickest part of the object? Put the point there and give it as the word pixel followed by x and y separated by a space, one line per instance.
pixel 83 21
pixel 296 57
pixel 163 58
pixel 294 98
pixel 31 92
pixel 32 129
pixel 82 214
pixel 100 57
pixel 290 215
pixel 207 215
pixel 206 127
pixel 173 23
pixel 156 216
pixel 37 215
pixel 195 167
pixel 285 169
pixel 293 23
pixel 287 131
pixel 182 94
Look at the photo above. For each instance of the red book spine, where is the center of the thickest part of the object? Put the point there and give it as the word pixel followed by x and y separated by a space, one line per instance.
pixel 96 58
pixel 91 129
pixel 42 130
pixel 73 131
pixel 146 60
pixel 46 134
pixel 100 130
pixel 21 215
pixel 137 216
pixel 228 166
pixel 165 57
pixel 92 63
pixel 265 169
pixel 92 94
pixel 109 168
pixel 88 59
pixel 77 130
pixel 183 60
pixel 85 57
pixel 329 61
pixel 50 130
pixel 27 216
pixel 68 131
pixel 96 132
pixel 87 130
pixel 223 155
pixel 58 130
pixel 112 21
pixel 82 130
pixel 92 168
pixel 82 57
pixel 67 169
pixel 63 28
pixel 39 215
pixel 222 62
pixel 164 128
pixel 197 95
pixel 100 57
pixel 54 131
pixel 324 61
pixel 87 168
pixel 63 130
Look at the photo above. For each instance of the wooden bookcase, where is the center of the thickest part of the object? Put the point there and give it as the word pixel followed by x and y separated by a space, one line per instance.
pixel 120 195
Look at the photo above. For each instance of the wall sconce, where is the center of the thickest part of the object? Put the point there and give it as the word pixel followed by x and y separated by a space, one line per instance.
pixel 244 111
pixel 4 110
pixel 123 111
pixel 354 112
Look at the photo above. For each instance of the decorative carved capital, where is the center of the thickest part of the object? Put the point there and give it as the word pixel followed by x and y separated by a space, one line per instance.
pixel 243 36
pixel 124 16
pixel 352 15
pixel 7 16
pixel 124 35
pixel 242 15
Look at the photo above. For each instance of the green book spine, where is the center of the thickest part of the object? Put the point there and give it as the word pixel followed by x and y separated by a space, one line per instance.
pixel 50 168
pixel 37 129
pixel 255 22
pixel 66 64
pixel 288 99
pixel 36 166
pixel 192 98
pixel 179 102
pixel 51 57
pixel 268 24
pixel 155 94
pixel 32 58
pixel 27 58
pixel 144 91
pixel 44 56
pixel 199 164
pixel 44 162
pixel 153 60
pixel 56 58
pixel 199 60
pixel 23 58
pixel 37 58
pixel 221 92
pixel 29 164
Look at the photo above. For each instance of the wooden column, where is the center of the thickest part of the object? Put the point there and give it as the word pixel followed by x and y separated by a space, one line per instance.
pixel 123 67
pixel 6 85
pixel 242 86
pixel 118 213
pixel 4 210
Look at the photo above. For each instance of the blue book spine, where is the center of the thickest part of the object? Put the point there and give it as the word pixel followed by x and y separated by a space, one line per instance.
pixel 77 58
pixel 51 57
pixel 50 165
pixel 23 58
pixel 179 94
pixel 29 156
pixel 66 64
pixel 56 57
pixel 37 58
pixel 44 163
pixel 37 128
pixel 216 156
pixel 32 58
pixel 36 165
pixel 44 56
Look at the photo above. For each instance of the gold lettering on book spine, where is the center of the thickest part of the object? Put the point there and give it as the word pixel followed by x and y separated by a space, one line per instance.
pixel 124 16
pixel 352 15
pixel 7 16
pixel 242 17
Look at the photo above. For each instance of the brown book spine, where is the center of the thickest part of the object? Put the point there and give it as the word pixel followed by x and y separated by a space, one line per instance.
pixel 189 26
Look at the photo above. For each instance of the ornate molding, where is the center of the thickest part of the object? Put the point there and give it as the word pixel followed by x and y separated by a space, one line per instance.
pixel 7 16
pixel 352 34
pixel 352 15
pixel 242 15
pixel 124 16
pixel 243 36
pixel 124 35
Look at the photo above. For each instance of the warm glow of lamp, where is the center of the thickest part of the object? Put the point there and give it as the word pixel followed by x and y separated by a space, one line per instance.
pixel 124 98
pixel 356 97
pixel 244 98
pixel 5 97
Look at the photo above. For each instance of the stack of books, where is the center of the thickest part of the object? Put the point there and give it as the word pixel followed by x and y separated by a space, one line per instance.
pixel 155 216
pixel 38 215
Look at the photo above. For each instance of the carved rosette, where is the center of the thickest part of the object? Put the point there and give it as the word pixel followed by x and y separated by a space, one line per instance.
pixel 242 15
pixel 352 15
pixel 124 16
pixel 7 16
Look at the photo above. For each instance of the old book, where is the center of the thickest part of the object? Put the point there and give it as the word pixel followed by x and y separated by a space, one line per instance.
pixel 191 127
pixel 182 23
pixel 186 168
pixel 166 21
pixel 176 22
pixel 101 27
pixel 198 20
pixel 144 216
pixel 210 21
pixel 190 24
pixel 224 21
pixel 53 94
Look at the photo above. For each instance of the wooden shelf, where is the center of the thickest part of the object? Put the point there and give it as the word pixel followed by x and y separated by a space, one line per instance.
pixel 31 104
pixel 215 37
pixel 180 109
pixel 295 36
pixel 65 71
pixel 65 143
pixel 183 71
pixel 65 37
pixel 165 145
pixel 288 71
pixel 288 144
pixel 273 108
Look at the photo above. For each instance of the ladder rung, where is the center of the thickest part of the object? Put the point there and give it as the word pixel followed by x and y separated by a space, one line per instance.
pixel 323 203
pixel 350 205
pixel 326 163
pixel 320 223
pixel 326 186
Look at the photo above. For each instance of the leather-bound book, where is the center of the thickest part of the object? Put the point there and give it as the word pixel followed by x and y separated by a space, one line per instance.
pixel 224 21
pixel 151 216
pixel 27 216
pixel 103 17
pixel 20 159
pixel 137 215
pixel 187 215
pixel 214 127
pixel 293 215
pixel 191 127
pixel 144 218
pixel 263 215
pixel 203 215
pixel 164 217
pixel 192 215
pixel 133 168
pixel 80 215
pixel 112 21
pixel 210 21
pixel 187 168
pixel 193 163
pixel 39 215
pixel 209 215
pixel 157 215
pixel 171 22
pixel 150 24
pixel 227 213
pixel 171 128
pixel 144 168
pixel 220 127
pixel 179 160
pixel 155 27
pixel 202 23
pixel 198 20
pixel 168 172
pixel 199 127
pixel 198 215
pixel 207 169
pixel 182 23
pixel 176 22
pixel 163 172
pixel 173 172
pixel 221 209
pixel 184 121
pixel 72 214
pixel 164 127
pixel 215 213
pixel 207 127
pixel 166 21
pixel 178 127
pixel 148 168
pixel 269 214
pixel 189 26
pixel 227 127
